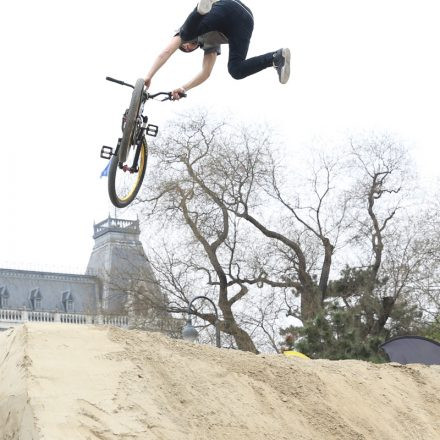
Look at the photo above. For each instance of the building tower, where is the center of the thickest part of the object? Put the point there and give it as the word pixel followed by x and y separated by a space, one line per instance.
pixel 128 282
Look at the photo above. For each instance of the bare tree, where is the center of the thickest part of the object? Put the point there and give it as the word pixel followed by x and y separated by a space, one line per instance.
pixel 189 191
pixel 385 242
pixel 218 177
pixel 243 221
pixel 426 282
pixel 309 216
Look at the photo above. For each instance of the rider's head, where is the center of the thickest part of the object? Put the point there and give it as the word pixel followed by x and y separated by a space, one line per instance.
pixel 189 46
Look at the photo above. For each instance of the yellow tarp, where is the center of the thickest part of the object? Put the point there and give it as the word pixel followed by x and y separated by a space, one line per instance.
pixel 291 353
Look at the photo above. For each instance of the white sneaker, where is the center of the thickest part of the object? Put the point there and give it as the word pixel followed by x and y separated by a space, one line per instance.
pixel 281 62
pixel 204 6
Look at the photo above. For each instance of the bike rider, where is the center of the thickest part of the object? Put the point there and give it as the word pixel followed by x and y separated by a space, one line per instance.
pixel 216 22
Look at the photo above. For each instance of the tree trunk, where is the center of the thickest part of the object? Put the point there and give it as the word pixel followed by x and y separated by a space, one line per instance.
pixel 311 303
pixel 326 266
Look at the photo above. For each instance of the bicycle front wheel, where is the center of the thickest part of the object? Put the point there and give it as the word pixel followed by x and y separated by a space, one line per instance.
pixel 124 182
pixel 129 129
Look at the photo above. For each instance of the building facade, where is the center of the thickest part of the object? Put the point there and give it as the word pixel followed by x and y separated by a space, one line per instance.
pixel 118 270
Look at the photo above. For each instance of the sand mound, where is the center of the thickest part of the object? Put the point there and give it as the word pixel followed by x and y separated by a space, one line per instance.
pixel 62 382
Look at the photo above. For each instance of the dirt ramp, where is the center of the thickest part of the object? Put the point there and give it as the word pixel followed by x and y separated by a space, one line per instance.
pixel 16 415
pixel 79 382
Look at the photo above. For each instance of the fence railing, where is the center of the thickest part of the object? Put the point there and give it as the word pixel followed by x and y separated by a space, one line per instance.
pixel 8 316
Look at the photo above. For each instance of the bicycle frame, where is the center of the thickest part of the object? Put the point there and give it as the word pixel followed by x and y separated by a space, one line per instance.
pixel 132 144
pixel 141 128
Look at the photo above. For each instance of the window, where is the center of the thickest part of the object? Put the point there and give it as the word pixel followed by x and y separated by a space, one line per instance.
pixel 35 299
pixel 4 297
pixel 67 300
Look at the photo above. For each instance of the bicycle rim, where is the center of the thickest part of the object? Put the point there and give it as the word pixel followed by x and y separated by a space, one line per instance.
pixel 123 185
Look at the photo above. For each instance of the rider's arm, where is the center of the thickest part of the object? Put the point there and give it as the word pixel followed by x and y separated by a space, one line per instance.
pixel 163 58
pixel 209 60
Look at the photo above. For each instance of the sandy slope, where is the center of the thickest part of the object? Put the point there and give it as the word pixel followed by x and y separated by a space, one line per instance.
pixel 61 382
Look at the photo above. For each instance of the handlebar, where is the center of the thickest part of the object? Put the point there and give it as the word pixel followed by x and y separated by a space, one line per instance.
pixel 168 95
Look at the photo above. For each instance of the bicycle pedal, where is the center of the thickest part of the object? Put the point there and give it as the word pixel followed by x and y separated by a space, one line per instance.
pixel 152 130
pixel 106 152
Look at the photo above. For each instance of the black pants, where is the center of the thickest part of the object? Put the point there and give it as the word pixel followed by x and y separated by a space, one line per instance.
pixel 233 19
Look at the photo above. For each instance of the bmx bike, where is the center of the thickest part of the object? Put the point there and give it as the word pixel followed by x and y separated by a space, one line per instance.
pixel 128 161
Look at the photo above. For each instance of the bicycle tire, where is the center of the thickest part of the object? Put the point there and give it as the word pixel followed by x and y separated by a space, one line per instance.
pixel 120 197
pixel 130 123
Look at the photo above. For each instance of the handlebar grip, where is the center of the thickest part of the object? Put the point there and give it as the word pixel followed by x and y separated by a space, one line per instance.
pixel 170 95
pixel 108 78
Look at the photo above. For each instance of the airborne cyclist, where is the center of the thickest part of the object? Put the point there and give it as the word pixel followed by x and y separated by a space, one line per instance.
pixel 216 22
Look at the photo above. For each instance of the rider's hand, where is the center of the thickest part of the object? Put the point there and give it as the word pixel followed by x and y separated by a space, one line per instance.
pixel 147 82
pixel 176 93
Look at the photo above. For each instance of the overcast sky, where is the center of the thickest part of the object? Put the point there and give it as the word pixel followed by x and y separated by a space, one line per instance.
pixel 356 66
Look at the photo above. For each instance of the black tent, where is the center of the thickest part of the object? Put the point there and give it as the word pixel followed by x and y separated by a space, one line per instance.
pixel 412 350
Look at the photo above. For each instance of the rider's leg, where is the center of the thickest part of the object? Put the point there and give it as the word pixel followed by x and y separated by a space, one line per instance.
pixel 239 35
pixel 238 66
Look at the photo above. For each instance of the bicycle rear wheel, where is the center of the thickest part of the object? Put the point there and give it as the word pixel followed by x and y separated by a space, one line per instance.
pixel 130 122
pixel 124 183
